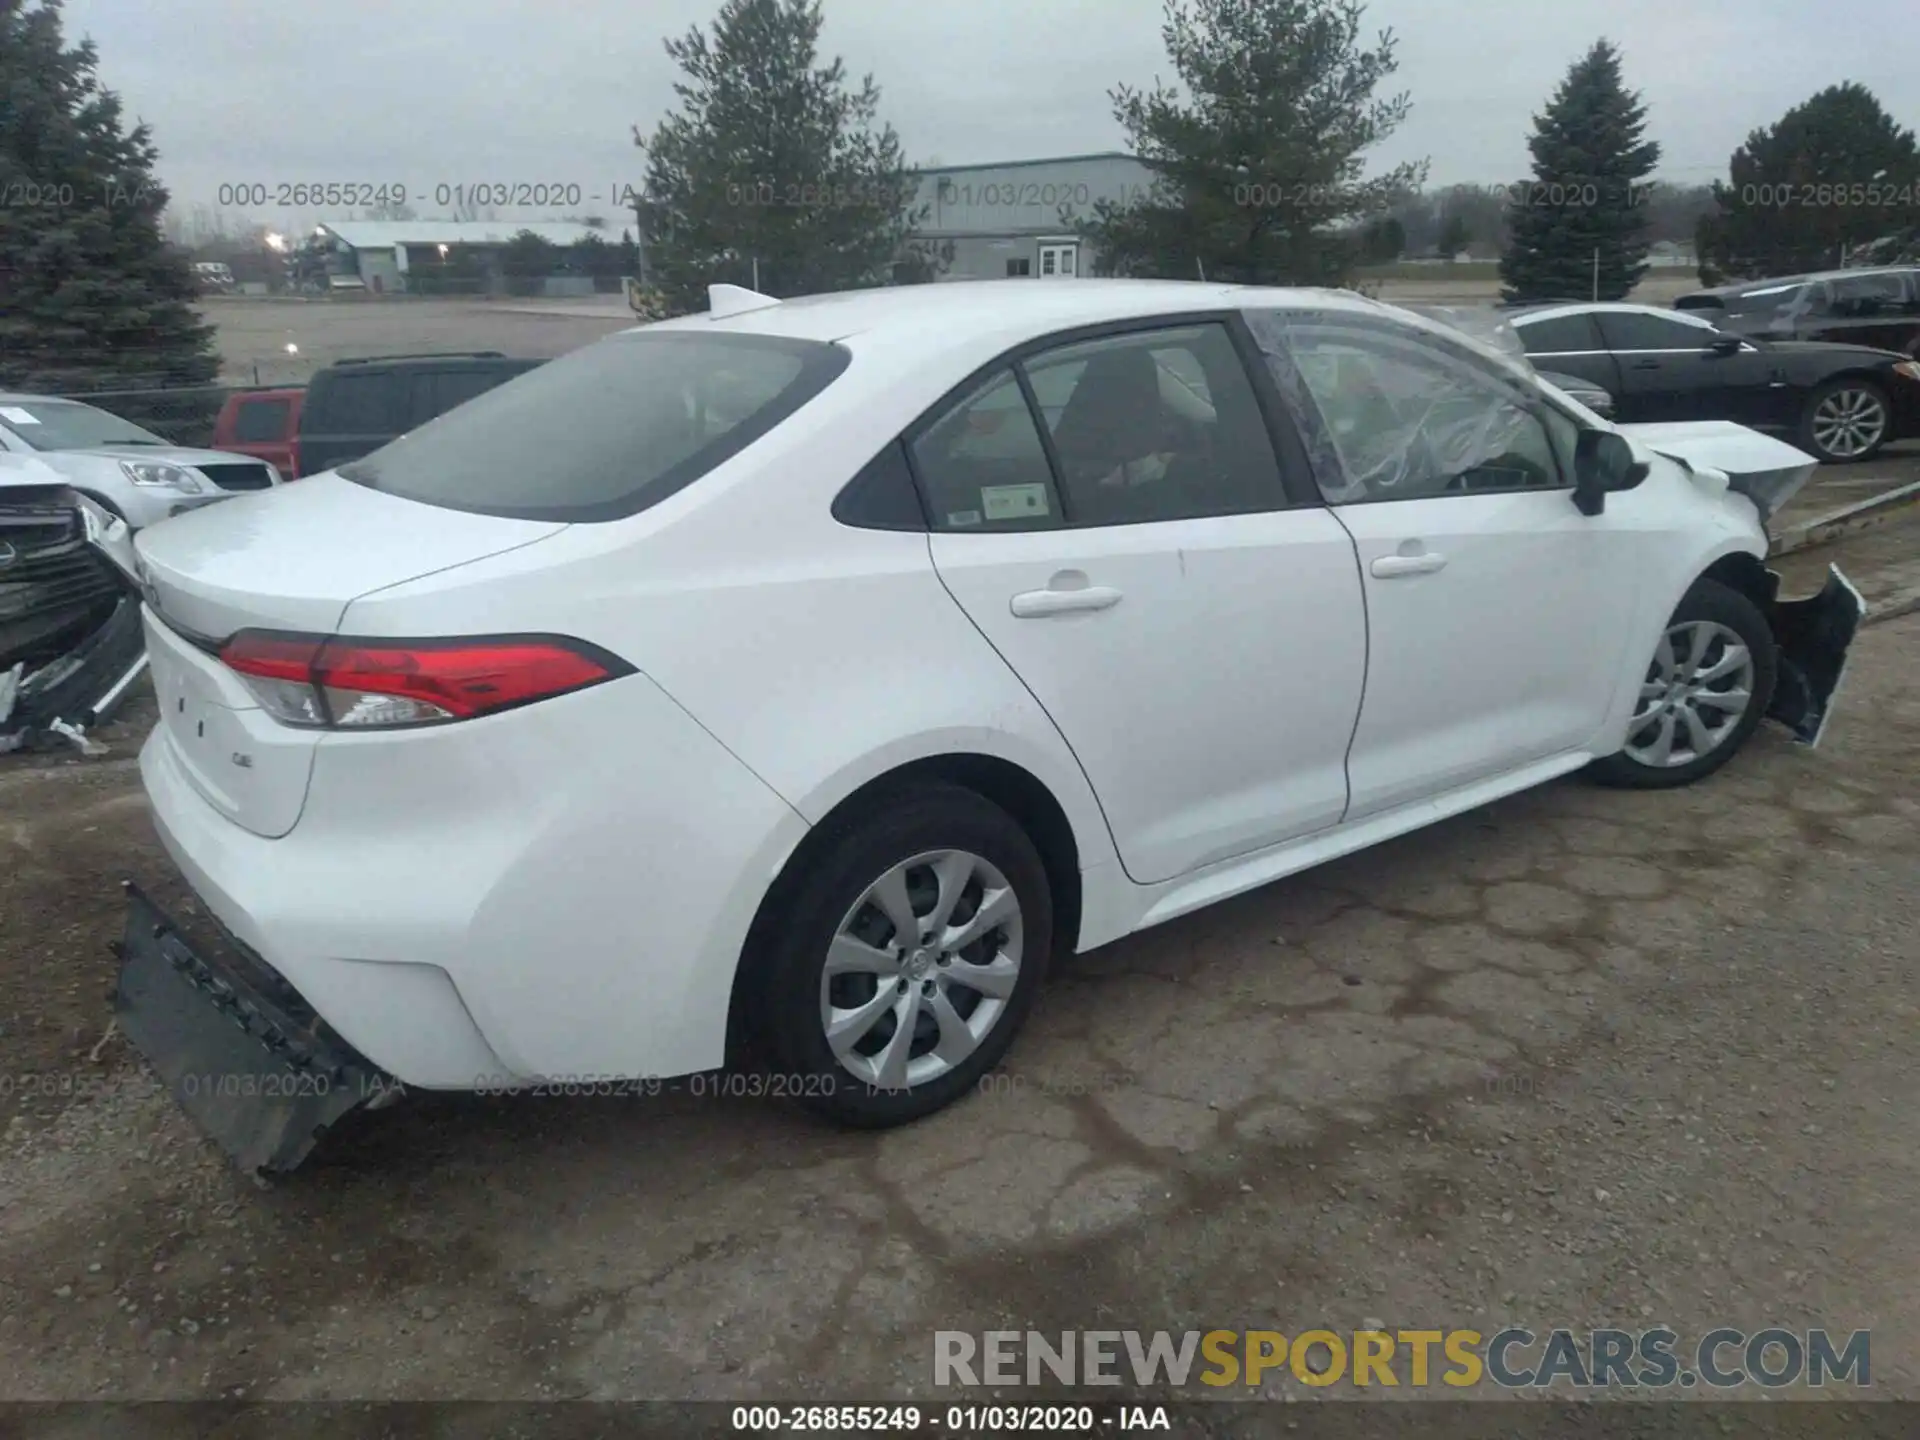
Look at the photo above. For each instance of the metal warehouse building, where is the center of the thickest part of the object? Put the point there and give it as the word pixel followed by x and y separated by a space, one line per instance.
pixel 1018 218
pixel 381 252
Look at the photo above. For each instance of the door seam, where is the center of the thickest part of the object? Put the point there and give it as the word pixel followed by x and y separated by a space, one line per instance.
pixel 1366 660
pixel 1021 680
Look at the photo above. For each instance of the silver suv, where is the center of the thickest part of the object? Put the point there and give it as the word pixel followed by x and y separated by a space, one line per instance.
pixel 132 472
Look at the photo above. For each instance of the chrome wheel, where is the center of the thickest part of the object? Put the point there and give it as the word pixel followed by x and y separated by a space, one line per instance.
pixel 1848 423
pixel 921 969
pixel 1696 690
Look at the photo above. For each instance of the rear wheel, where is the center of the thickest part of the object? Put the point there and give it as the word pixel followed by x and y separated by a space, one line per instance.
pixel 905 959
pixel 1845 420
pixel 1704 692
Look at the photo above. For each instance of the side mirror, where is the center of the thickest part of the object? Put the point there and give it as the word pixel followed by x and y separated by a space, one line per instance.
pixel 1603 462
pixel 1724 345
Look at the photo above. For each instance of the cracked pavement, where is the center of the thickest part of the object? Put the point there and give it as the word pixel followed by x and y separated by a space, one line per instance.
pixel 1581 1058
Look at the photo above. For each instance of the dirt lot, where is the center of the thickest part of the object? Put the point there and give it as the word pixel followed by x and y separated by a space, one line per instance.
pixel 255 333
pixel 1581 1058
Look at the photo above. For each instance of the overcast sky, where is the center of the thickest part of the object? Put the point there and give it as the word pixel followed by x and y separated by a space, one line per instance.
pixel 441 92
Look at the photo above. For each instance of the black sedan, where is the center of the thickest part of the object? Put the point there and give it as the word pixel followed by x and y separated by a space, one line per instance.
pixel 1836 402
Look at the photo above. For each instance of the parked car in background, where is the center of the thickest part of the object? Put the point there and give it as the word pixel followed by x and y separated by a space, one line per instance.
pixel 213 277
pixel 264 424
pixel 1837 402
pixel 1596 398
pixel 353 407
pixel 1877 307
pixel 133 473
pixel 812 673
pixel 1492 326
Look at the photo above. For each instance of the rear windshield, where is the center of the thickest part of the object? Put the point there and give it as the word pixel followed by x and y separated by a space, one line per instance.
pixel 607 430
pixel 257 420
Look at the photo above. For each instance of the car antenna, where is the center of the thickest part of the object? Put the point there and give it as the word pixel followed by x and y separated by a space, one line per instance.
pixel 725 300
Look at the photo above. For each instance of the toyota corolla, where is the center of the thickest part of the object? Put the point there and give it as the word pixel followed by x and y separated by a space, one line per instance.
pixel 795 680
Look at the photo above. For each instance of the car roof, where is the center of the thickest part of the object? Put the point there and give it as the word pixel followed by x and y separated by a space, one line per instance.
pixel 1748 287
pixel 966 310
pixel 15 397
pixel 1606 307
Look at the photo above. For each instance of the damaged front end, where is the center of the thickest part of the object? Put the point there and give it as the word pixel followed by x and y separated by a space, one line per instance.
pixel 1815 636
pixel 70 637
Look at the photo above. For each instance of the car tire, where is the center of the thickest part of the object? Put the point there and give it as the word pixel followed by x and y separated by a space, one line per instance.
pixel 1846 420
pixel 828 905
pixel 1709 621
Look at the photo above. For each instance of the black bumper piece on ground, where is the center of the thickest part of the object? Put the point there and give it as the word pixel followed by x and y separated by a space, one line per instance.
pixel 241 1052
pixel 1814 636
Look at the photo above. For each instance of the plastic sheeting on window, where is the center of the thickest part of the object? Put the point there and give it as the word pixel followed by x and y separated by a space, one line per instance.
pixel 1385 416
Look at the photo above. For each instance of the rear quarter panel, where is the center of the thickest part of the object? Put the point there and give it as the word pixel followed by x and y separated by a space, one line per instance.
pixel 821 655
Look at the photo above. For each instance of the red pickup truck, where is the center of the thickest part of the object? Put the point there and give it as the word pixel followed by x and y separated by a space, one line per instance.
pixel 264 424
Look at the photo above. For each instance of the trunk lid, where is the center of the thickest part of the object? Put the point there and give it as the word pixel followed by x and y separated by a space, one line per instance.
pixel 1767 471
pixel 292 558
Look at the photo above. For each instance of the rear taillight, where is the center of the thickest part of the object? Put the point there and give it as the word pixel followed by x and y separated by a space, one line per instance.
pixel 344 683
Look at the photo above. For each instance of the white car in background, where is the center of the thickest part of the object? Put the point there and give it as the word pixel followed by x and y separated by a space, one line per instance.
pixel 810 673
pixel 130 472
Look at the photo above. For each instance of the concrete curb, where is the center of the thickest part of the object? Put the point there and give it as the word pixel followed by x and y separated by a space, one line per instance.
pixel 1865 514
pixel 1901 602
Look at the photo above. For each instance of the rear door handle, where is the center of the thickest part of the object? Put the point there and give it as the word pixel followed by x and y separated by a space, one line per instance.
pixel 1646 365
pixel 1389 566
pixel 1035 604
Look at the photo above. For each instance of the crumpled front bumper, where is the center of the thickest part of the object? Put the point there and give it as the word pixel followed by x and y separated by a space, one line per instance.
pixel 71 643
pixel 243 1054
pixel 1815 636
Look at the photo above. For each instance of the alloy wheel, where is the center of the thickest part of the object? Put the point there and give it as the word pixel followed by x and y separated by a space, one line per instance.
pixel 921 969
pixel 1693 697
pixel 1848 423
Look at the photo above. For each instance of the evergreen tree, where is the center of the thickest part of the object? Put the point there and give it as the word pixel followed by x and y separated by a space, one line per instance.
pixel 1590 161
pixel 772 163
pixel 1455 235
pixel 527 259
pixel 93 296
pixel 1260 154
pixel 1830 175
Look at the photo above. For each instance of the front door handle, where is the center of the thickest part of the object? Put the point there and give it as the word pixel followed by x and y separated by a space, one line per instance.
pixel 1646 365
pixel 1035 604
pixel 1389 566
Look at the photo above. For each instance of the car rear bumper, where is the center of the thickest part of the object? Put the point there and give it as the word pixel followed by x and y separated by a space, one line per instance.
pixel 244 1055
pixel 522 897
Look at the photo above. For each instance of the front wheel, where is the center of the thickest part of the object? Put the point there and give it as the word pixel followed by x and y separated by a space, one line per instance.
pixel 1704 692
pixel 1845 420
pixel 906 958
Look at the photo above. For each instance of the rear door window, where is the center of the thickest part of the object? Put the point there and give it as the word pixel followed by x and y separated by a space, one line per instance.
pixel 1866 297
pixel 1627 330
pixel 357 403
pixel 1559 335
pixel 255 421
pixel 607 430
pixel 438 391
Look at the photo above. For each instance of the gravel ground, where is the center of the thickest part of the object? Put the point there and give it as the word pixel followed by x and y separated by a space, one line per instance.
pixel 1580 1058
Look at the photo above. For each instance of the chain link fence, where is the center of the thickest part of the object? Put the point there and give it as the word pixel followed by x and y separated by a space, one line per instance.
pixel 183 415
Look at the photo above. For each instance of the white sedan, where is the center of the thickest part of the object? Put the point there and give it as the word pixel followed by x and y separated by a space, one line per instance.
pixel 803 676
